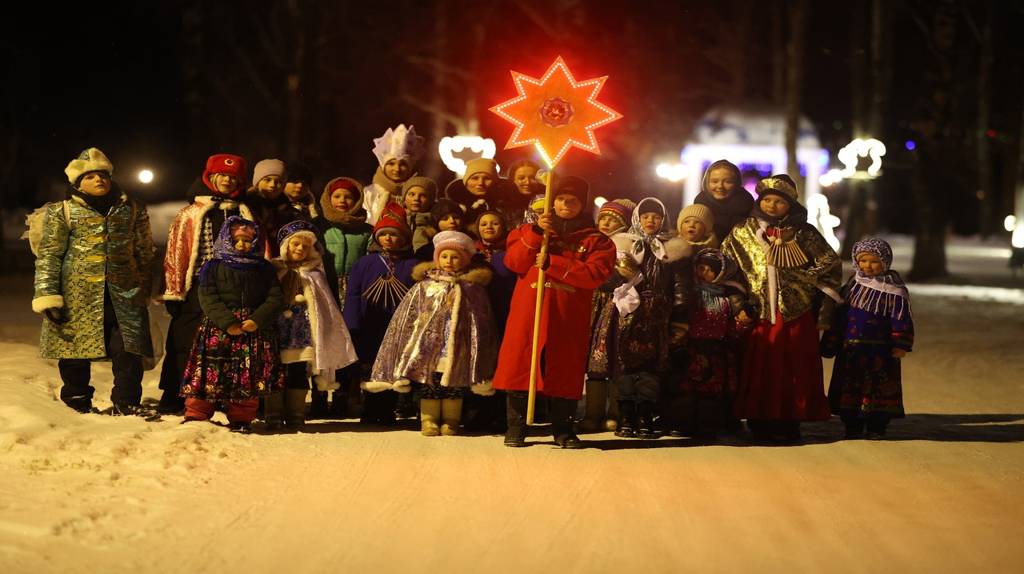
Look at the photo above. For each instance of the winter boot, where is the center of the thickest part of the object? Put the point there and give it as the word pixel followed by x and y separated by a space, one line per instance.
pixel 515 416
pixel 611 420
pixel 430 414
pixel 318 405
pixel 241 427
pixel 273 405
pixel 170 402
pixel 627 419
pixel 295 408
pixel 645 421
pixel 451 413
pixel 593 415
pixel 562 411
pixel 339 406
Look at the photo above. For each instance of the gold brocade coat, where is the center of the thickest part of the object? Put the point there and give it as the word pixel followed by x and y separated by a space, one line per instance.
pixel 77 264
pixel 796 286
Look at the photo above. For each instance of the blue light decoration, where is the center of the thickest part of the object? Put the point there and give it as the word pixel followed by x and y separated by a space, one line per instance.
pixel 911 145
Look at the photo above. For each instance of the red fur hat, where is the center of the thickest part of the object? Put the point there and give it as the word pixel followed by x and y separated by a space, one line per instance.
pixel 225 163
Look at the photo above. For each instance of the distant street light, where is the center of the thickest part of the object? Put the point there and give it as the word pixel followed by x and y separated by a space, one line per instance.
pixel 1010 223
pixel 145 176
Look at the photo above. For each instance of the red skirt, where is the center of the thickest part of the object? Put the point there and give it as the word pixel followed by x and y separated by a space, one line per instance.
pixel 781 378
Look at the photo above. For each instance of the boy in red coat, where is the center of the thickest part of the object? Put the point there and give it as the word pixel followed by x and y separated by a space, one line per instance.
pixel 579 260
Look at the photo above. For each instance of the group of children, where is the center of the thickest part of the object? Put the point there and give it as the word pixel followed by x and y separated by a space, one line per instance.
pixel 404 299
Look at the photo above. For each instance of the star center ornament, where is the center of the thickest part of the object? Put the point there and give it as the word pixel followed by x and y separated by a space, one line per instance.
pixel 555 112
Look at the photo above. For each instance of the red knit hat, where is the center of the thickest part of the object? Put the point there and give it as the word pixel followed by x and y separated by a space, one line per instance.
pixel 393 217
pixel 225 163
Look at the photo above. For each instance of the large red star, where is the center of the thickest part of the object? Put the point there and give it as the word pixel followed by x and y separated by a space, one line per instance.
pixel 556 112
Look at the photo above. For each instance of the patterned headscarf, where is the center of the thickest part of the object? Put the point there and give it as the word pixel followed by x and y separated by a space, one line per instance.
pixel 885 294
pixel 655 242
pixel 224 248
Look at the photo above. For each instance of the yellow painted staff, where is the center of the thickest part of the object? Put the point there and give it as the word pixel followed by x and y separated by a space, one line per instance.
pixel 553 113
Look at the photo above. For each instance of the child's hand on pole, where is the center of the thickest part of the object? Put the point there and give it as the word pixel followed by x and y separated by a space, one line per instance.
pixel 544 222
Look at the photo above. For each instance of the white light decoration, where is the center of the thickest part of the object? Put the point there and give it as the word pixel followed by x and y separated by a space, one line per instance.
pixel 1010 223
pixel 830 178
pixel 858 148
pixel 674 172
pixel 599 201
pixel 455 151
pixel 145 176
pixel 819 216
pixel 1017 239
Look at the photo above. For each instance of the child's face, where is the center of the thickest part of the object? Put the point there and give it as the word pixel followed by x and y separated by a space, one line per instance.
pixel 694 229
pixel 870 264
pixel 417 200
pixel 774 206
pixel 390 240
pixel 299 248
pixel 523 178
pixel 397 170
pixel 295 190
pixel 343 199
pixel 567 206
pixel 651 222
pixel 479 183
pixel 490 227
pixel 96 183
pixel 722 182
pixel 705 272
pixel 607 224
pixel 242 240
pixel 451 261
pixel 270 186
pixel 224 183
pixel 449 223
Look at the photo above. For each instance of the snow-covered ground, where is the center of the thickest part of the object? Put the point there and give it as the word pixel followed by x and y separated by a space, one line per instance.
pixel 944 493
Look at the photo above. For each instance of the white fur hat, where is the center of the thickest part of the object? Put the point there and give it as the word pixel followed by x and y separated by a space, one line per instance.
pixel 401 143
pixel 91 159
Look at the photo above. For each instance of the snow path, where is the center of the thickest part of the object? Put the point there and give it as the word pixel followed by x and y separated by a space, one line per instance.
pixel 944 494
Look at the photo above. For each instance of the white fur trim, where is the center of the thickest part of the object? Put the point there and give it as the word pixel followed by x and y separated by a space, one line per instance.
pixel 91 159
pixel 197 231
pixel 831 293
pixel 376 386
pixel 484 389
pixel 677 248
pixel 402 386
pixel 623 241
pixel 40 304
pixel 324 382
pixel 303 355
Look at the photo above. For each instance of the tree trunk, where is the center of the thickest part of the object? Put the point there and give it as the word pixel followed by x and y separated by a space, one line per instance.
pixel 986 193
pixel 439 125
pixel 856 204
pixel 778 52
pixel 881 78
pixel 794 82
pixel 293 85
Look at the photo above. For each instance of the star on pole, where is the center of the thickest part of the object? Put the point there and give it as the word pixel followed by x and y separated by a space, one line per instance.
pixel 555 112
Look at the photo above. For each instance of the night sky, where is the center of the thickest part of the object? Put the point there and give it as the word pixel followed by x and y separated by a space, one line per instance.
pixel 164 84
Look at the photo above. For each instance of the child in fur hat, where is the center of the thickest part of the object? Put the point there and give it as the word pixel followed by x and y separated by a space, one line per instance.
pixel 652 297
pixel 786 264
pixel 873 332
pixel 602 408
pixel 441 337
pixel 92 282
pixel 703 389
pixel 397 151
pixel 418 197
pixel 311 332
pixel 477 191
pixel 722 192
pixel 579 260
pixel 234 359
pixel 377 284
pixel 190 243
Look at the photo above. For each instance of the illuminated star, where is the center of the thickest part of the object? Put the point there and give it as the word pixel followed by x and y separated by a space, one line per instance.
pixel 556 112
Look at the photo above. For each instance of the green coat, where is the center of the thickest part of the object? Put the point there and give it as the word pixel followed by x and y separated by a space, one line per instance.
pixel 224 289
pixel 76 264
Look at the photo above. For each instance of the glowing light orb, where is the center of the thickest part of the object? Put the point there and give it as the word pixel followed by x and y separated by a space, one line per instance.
pixel 1010 223
pixel 674 172
pixel 145 176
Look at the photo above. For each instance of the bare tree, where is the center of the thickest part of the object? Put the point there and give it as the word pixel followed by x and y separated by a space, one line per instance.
pixel 986 188
pixel 794 83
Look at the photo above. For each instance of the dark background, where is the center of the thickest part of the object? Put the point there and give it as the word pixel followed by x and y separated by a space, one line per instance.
pixel 165 84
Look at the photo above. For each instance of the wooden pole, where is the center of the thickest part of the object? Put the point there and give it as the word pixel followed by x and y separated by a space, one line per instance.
pixel 531 400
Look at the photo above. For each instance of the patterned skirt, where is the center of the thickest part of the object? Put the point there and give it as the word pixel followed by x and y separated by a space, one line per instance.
pixel 227 367
pixel 712 371
pixel 866 379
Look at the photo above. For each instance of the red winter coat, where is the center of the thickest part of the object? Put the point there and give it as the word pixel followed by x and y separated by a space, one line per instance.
pixel 578 265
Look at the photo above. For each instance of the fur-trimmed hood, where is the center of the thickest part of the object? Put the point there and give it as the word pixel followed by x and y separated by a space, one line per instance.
pixel 676 248
pixel 478 274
